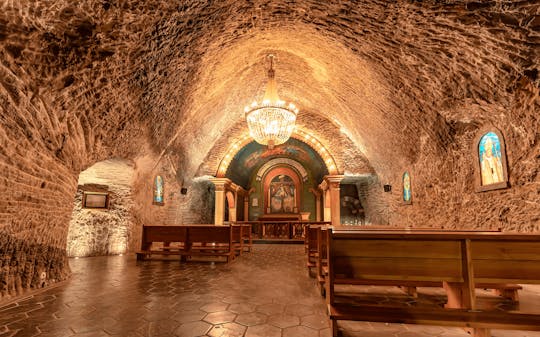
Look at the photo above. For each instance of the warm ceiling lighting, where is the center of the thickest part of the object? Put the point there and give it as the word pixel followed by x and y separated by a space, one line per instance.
pixel 271 122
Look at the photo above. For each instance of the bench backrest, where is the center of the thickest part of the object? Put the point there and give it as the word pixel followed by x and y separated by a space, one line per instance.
pixel 356 257
pixel 506 261
pixel 163 234
pixel 311 237
pixel 237 233
pixel 246 231
pixel 445 256
pixel 216 234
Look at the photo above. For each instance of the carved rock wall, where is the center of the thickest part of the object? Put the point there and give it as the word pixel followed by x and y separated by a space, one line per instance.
pixel 103 232
pixel 407 84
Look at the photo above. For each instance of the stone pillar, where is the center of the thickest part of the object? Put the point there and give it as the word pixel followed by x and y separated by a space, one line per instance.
pixel 221 187
pixel 318 198
pixel 333 182
pixel 234 208
pixel 246 203
pixel 325 193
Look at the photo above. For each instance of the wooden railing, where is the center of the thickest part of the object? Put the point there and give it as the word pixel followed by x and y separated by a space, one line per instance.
pixel 284 230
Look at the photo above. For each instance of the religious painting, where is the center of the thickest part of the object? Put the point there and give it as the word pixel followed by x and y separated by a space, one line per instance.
pixel 95 200
pixel 407 194
pixel 282 194
pixel 491 161
pixel 158 190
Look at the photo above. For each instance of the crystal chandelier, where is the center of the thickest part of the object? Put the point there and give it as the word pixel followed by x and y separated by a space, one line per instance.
pixel 271 122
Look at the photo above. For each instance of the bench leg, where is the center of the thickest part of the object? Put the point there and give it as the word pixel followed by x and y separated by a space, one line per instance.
pixel 511 294
pixel 335 331
pixel 455 296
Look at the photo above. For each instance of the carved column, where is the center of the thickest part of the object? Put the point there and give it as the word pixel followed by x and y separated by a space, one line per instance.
pixel 333 182
pixel 238 192
pixel 246 203
pixel 318 196
pixel 325 193
pixel 221 187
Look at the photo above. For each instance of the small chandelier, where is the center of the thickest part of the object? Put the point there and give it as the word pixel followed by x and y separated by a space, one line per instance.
pixel 271 122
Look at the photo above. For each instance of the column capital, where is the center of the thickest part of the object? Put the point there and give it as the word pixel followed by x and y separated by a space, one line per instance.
pixel 333 180
pixel 221 183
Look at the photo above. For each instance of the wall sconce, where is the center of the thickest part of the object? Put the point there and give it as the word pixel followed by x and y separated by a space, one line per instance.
pixel 387 188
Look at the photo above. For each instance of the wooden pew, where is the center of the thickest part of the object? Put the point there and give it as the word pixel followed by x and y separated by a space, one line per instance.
pixel 237 239
pixel 458 260
pixel 165 235
pixel 321 261
pixel 247 237
pixel 209 240
pixel 311 241
pixel 505 290
pixel 190 240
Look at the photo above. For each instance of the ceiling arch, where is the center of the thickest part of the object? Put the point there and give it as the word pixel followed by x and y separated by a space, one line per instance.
pixel 395 77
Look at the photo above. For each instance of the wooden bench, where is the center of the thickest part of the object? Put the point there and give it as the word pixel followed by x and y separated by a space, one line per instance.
pixel 310 242
pixel 458 260
pixel 165 235
pixel 247 237
pixel 237 239
pixel 210 240
pixel 190 240
pixel 505 290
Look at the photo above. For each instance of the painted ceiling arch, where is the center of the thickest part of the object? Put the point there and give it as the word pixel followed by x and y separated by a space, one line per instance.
pixel 253 156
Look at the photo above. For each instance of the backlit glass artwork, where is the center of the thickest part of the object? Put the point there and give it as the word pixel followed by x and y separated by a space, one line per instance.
pixel 158 190
pixel 489 154
pixel 406 187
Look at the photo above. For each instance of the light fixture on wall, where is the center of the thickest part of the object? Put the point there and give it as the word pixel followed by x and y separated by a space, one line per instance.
pixel 271 122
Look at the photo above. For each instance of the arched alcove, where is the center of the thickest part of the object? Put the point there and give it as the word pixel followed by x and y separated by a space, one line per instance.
pixel 102 227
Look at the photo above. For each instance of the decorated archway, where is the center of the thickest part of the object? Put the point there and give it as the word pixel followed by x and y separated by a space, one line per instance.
pixel 282 191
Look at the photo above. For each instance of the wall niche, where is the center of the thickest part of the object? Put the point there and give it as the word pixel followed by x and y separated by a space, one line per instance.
pixel 101 222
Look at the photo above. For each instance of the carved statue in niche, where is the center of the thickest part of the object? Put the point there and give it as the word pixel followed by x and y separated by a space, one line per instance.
pixel 282 194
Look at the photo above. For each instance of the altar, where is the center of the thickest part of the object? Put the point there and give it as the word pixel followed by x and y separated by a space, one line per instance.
pixel 281 217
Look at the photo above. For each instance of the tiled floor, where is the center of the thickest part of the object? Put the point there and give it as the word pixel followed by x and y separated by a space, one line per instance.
pixel 263 293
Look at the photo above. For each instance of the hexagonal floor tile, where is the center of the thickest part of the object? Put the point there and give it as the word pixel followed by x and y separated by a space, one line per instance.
pixel 188 316
pixel 271 308
pixel 283 320
pixel 316 321
pixel 219 317
pixel 299 309
pixel 192 329
pixel 299 331
pixel 253 318
pixel 263 330
pixel 241 308
pixel 214 306
pixel 227 330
